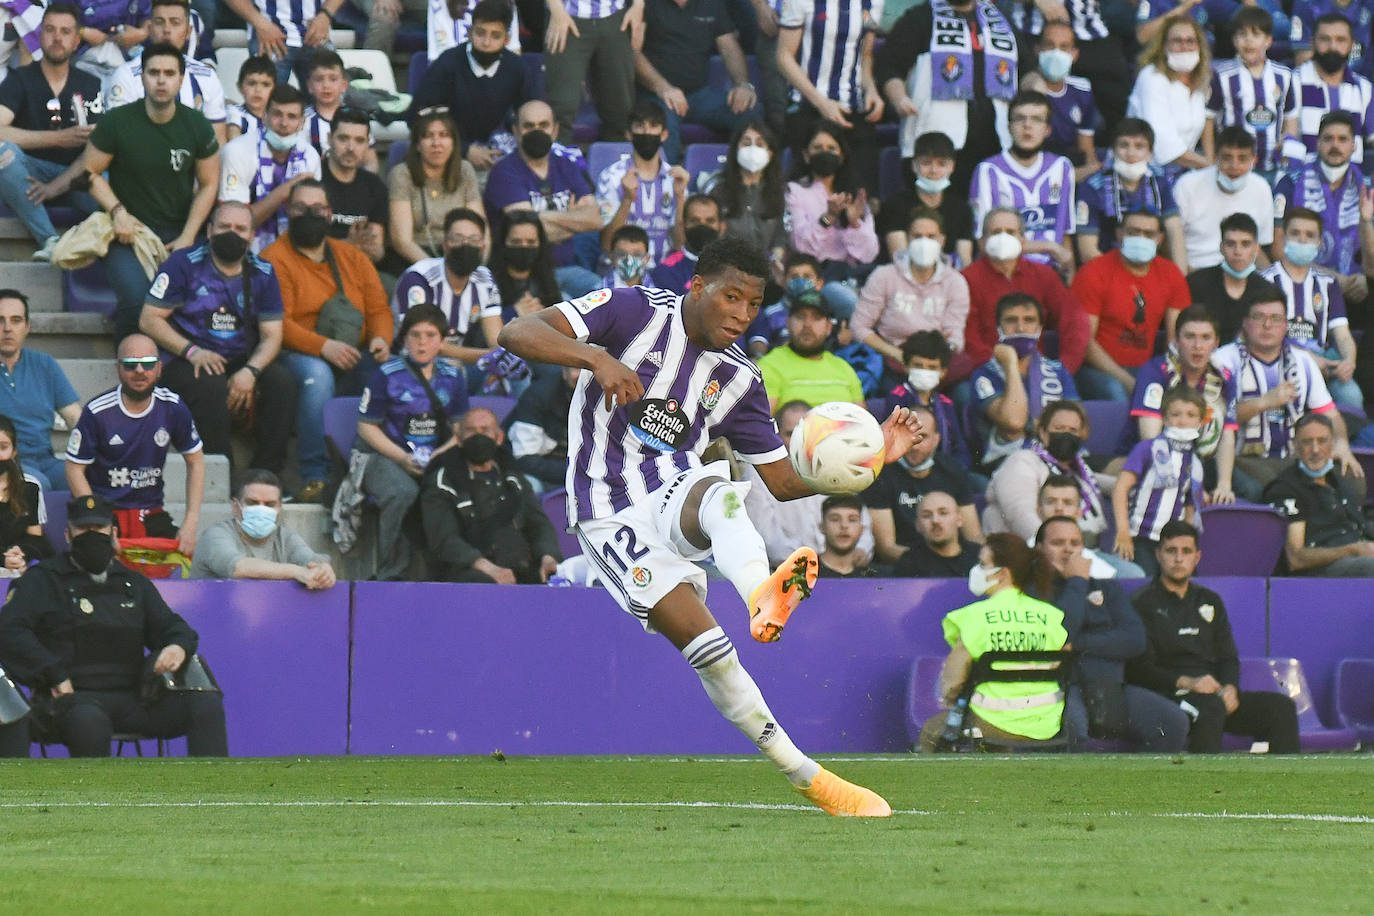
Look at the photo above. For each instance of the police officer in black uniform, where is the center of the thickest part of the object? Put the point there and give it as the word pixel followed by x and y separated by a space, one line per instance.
pixel 482 521
pixel 74 629
pixel 1191 657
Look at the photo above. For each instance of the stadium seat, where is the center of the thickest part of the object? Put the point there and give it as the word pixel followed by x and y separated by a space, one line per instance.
pixel 1108 425
pixel 889 172
pixel 1241 540
pixel 704 160
pixel 556 508
pixel 341 424
pixel 419 66
pixel 1353 688
pixel 378 66
pixel 1284 675
pixel 601 154
pixel 55 528
pixel 497 403
pixel 228 62
pixel 88 290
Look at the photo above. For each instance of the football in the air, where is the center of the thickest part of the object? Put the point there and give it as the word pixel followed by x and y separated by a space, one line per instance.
pixel 837 448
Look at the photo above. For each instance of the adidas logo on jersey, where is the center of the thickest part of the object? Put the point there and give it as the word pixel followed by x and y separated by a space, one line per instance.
pixel 656 358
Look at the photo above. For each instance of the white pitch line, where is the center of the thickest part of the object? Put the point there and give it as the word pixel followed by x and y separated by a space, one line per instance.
pixel 1271 816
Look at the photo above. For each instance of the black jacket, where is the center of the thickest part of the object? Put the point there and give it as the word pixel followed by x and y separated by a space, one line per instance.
pixel 1104 629
pixel 543 408
pixel 1186 636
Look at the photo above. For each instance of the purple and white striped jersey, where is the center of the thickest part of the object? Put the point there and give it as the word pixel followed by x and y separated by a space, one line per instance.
pixel 291 16
pixel 1084 15
pixel 1315 306
pixel 593 9
pixel 691 396
pixel 1258 104
pixel 1168 481
pixel 832 36
pixel 655 206
pixel 1268 433
pixel 1043 192
pixel 1315 98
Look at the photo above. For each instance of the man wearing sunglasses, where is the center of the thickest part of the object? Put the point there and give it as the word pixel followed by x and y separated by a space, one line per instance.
pixel 119 448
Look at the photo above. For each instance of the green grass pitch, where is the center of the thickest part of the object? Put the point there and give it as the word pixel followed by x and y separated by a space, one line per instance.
pixel 1083 834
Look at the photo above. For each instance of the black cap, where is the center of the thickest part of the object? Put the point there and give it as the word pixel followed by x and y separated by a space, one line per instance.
pixel 811 299
pixel 89 510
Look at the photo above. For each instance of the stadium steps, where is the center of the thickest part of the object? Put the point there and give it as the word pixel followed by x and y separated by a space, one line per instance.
pixel 42 283
pixel 71 335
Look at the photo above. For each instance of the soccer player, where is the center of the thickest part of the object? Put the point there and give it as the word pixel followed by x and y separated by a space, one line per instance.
pixel 662 376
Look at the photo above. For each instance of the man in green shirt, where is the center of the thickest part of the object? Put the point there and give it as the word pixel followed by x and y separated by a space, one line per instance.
pixel 802 369
pixel 163 165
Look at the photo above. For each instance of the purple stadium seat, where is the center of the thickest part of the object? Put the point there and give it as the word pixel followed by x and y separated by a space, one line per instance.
pixel 55 528
pixel 341 423
pixel 397 153
pixel 601 154
pixel 88 290
pixel 704 159
pixel 889 171
pixel 496 403
pixel 419 65
pixel 556 508
pixel 1241 540
pixel 1354 690
pixel 1108 424
pixel 716 75
pixel 1284 675
pixel 922 694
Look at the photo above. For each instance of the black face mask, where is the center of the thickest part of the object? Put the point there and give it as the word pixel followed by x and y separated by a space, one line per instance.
pixel 463 259
pixel 484 58
pixel 478 448
pixel 536 144
pixel 698 237
pixel 1063 446
pixel 646 145
pixel 823 165
pixel 229 247
pixel 1330 61
pixel 307 230
pixel 93 551
pixel 1021 152
pixel 520 257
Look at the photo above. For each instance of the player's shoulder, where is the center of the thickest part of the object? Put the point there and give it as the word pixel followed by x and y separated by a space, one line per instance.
pixel 736 357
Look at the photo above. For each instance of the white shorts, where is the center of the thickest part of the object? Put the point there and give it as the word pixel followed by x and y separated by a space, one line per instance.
pixel 640 553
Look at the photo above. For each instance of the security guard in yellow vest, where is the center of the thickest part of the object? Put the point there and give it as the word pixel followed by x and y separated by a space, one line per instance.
pixel 1008 620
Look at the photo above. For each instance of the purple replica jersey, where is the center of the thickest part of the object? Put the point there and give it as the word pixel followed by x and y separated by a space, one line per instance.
pixel 1073 114
pixel 396 400
pixel 208 307
pixel 512 182
pixel 1218 390
pixel 1356 12
pixel 1168 481
pixel 1043 192
pixel 1340 210
pixel 1102 201
pixel 691 396
pixel 126 452
pixel 1315 306
pixel 654 208
pixel 1258 104
pixel 946 419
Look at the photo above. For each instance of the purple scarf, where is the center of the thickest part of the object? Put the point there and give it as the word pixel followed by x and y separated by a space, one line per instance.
pixel 951 53
pixel 1090 495
pixel 28 19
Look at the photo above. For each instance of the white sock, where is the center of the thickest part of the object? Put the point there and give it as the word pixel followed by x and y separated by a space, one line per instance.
pixel 738 698
pixel 736 546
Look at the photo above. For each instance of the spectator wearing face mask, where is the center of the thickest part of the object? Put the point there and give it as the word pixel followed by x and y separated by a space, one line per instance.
pixel 702 225
pixel 629 259
pixel 642 188
pixel 926 355
pixel 254 544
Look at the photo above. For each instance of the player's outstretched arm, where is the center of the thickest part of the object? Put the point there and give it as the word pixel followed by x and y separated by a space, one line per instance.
pixel 547 337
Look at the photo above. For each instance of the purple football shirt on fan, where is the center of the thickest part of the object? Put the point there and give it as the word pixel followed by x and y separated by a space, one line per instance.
pixel 126 452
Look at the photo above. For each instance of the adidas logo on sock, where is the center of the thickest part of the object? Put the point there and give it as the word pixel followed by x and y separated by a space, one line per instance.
pixel 770 730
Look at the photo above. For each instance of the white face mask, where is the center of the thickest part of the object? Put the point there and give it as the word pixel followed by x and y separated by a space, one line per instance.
pixel 923 380
pixel 1002 246
pixel 979 579
pixel 923 252
pixel 753 158
pixel 1131 171
pixel 1181 433
pixel 1183 61
pixel 1334 173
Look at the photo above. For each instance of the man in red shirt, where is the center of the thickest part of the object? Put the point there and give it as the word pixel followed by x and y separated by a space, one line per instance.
pixel 1127 293
pixel 1002 270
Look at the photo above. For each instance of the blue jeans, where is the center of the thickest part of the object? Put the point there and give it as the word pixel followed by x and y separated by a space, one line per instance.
pixel 130 285
pixel 50 471
pixel 1096 385
pixel 297 58
pixel 319 382
pixel 16 167
pixel 1346 394
pixel 575 280
pixel 708 107
pixel 1125 569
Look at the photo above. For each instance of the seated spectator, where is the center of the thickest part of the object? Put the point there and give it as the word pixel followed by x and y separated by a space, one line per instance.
pixel 828 210
pixel 406 422
pixel 1308 15
pixel 916 292
pixel 432 180
pixel 287 33
pixel 1130 182
pixel 1316 311
pixel 1128 295
pixel 215 312
pixel 313 269
pixel 170 23
pixel 1073 113
pixel 1001 271
pixel 42 130
pixel 451 23
pixel 1161 481
pixel 255 544
pixel 550 179
pixel 1060 496
pixel 154 166
pixel 119 449
pixel 35 389
pixel 1328 83
pixel 672 66
pixel 1189 362
pixel 933 162
pixel 261 169
pixel 1038 184
pixel 941 551
pixel 257 78
pixel 1106 633
pixel 1277 382
pixel 701 225
pixel 109 34
pixel 1230 186
pixel 1228 288
pixel 630 259
pixel 926 355
pixel 749 188
pixel 842 527
pixel 1170 93
pixel 522 266
pixel 1190 656
pixel 1007 570
pixel 327 87
pixel 642 188
pixel 538 429
pixel 1012 390
pixel 1253 92
pixel 803 369
pixel 1328 531
pixel 359 198
pixel 1056 448
pixel 21 509
pixel 897 494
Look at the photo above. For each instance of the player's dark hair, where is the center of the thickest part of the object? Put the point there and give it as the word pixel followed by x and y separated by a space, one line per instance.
pixel 841 502
pixel 423 314
pixel 646 112
pixel 1063 406
pixel 16 294
pixel 1236 137
pixel 729 187
pixel 1030 97
pixel 256 476
pixel 927 345
pixel 1030 570
pixel 630 233
pixel 325 59
pixel 1309 418
pixel 12 470
pixel 65 8
pixel 257 64
pixel 1052 520
pixel 491 11
pixel 458 214
pixel 929 213
pixel 1296 213
pixel 286 94
pixel 1185 393
pixel 1197 313
pixel 543 284
pixel 1134 127
pixel 1240 222
pixel 1252 17
pixel 352 116
pixel 165 49
pixel 1344 118
pixel 1057 481
pixel 732 251
pixel 1178 528
pixel 1332 18
pixel 1017 300
pixel 933 144
pixel 1265 293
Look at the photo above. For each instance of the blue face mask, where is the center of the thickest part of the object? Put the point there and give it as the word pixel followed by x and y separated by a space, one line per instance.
pixel 278 142
pixel 1055 64
pixel 1319 472
pixel 258 521
pixel 1300 253
pixel 931 185
pixel 1238 274
pixel 1138 250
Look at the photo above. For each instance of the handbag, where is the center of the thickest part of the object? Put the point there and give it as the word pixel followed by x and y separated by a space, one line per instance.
pixel 339 319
